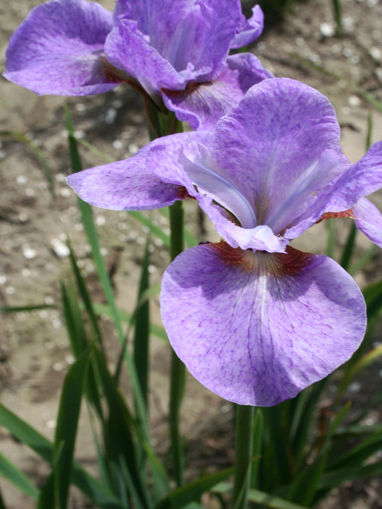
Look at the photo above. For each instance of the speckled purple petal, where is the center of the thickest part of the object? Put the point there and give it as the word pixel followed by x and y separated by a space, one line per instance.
pixel 281 148
pixel 192 37
pixel 250 29
pixel 151 179
pixel 368 220
pixel 127 49
pixel 58 49
pixel 358 180
pixel 201 105
pixel 256 337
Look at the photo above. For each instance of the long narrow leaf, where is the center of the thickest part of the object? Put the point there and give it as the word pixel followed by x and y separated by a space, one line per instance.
pixel 180 497
pixel 91 233
pixel 10 472
pixel 66 430
pixel 97 493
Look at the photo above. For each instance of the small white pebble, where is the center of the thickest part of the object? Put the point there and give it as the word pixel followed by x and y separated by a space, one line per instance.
pixel 100 220
pixel 9 290
pixel 354 101
pixel 375 53
pixel 29 253
pixel 348 22
pixel 69 359
pixel 30 192
pixel 23 217
pixel 347 52
pixel 65 192
pixel 43 314
pixel 355 60
pixel 3 279
pixel 60 249
pixel 327 29
pixel 26 272
pixel 378 73
pixel 58 366
pixel 49 300
pixel 21 180
pixel 56 323
pixel 60 177
pixel 133 148
pixel 79 134
pixel 354 387
pixel 117 144
pixel 372 3
pixel 110 115
pixel 63 237
pixel 80 107
pixel 152 269
pixel 78 227
pixel 104 251
pixel 51 424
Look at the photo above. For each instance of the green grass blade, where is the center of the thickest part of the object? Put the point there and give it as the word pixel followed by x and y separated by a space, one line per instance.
pixel 331 238
pixel 126 317
pixel 304 487
pixel 97 493
pixel 154 229
pixel 363 260
pixel 371 99
pixel 142 327
pixel 73 320
pixel 66 430
pixel 180 497
pixel 85 296
pixel 260 498
pixel 2 503
pixel 26 308
pixel 359 453
pixel 119 443
pixel 337 477
pixel 258 432
pixel 189 239
pixel 303 419
pixel 10 472
pixel 46 498
pixel 349 247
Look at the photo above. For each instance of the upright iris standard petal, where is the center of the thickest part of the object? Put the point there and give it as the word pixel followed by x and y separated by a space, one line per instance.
pixel 250 29
pixel 202 104
pixel 59 49
pixel 282 131
pixel 257 328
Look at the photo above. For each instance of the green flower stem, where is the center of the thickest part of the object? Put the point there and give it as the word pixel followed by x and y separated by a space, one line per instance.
pixel 161 124
pixel 178 374
pixel 243 457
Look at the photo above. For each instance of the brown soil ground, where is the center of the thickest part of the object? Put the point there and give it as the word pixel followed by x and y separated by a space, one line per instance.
pixel 34 351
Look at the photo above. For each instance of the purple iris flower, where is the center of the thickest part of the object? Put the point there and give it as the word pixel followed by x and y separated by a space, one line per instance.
pixel 174 51
pixel 255 320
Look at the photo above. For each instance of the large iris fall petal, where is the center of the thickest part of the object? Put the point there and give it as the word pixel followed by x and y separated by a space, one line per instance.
pixel 258 332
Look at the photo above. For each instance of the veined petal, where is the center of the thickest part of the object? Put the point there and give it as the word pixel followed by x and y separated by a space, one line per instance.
pixel 258 328
pixel 274 148
pixel 250 29
pixel 152 178
pixel 126 48
pixel 368 219
pixel 210 183
pixel 58 49
pixel 358 180
pixel 202 104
